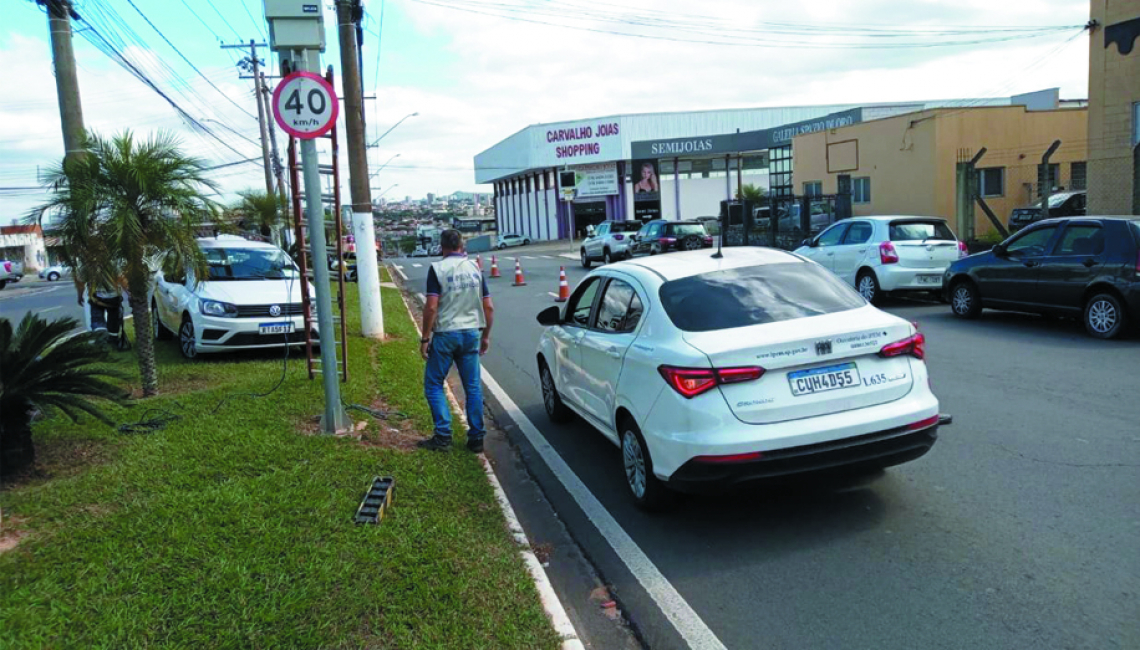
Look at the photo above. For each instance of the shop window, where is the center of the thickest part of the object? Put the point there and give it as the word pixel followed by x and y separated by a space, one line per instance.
pixel 813 188
pixel 861 190
pixel 991 181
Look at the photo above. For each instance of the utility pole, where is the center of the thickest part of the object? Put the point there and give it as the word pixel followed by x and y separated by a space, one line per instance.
pixel 348 13
pixel 278 169
pixel 253 64
pixel 60 14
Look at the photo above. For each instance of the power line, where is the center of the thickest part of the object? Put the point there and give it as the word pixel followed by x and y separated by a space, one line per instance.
pixel 212 6
pixel 256 25
pixel 188 62
pixel 204 24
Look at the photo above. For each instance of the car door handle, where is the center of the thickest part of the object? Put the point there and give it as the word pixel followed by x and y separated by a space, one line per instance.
pixel 1090 262
pixel 614 352
pixel 1030 263
pixel 862 250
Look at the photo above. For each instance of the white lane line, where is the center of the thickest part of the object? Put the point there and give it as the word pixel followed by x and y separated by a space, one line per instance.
pixel 551 294
pixel 527 257
pixel 400 271
pixel 48 309
pixel 569 256
pixel 416 266
pixel 686 621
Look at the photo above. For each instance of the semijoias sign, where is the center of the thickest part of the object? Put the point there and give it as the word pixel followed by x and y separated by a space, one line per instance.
pixel 747 141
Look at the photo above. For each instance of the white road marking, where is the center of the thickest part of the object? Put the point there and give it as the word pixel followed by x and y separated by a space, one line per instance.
pixel 416 266
pixel 686 621
pixel 569 256
pixel 551 294
pixel 400 271
pixel 49 309
pixel 527 257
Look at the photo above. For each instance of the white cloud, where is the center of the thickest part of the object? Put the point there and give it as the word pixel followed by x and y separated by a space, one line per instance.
pixel 509 74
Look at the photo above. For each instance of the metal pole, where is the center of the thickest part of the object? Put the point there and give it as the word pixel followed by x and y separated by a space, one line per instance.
pixel 677 186
pixel 363 226
pixel 278 168
pixel 1045 184
pixel 66 82
pixel 261 118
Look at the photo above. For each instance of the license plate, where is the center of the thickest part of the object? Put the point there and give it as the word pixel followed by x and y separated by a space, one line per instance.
pixel 275 328
pixel 819 380
pixel 930 279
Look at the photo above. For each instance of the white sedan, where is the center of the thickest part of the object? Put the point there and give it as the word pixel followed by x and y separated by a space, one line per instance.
pixel 879 255
pixel 251 298
pixel 506 241
pixel 708 372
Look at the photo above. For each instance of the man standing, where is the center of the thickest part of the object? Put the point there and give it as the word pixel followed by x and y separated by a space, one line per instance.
pixel 457 329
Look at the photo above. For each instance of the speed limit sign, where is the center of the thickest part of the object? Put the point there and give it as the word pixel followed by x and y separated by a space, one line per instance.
pixel 305 105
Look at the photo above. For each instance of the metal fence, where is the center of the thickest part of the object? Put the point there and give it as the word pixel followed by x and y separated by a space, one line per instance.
pixel 784 222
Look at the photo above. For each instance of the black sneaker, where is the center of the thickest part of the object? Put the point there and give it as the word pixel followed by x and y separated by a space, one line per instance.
pixel 475 445
pixel 435 443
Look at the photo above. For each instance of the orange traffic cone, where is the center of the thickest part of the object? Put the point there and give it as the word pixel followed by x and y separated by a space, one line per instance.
pixel 495 268
pixel 519 280
pixel 563 286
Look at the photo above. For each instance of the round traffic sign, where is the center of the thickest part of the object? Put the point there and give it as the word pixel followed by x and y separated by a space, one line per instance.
pixel 305 105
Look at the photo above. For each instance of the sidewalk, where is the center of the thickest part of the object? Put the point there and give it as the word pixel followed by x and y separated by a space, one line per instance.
pixel 231 526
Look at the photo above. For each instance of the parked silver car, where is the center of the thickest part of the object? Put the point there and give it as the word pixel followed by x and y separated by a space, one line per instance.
pixel 609 241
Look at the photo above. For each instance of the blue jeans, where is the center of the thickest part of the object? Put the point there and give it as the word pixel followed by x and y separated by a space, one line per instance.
pixel 461 348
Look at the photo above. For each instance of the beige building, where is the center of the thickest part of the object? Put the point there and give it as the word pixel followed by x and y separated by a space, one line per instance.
pixel 1114 108
pixel 909 164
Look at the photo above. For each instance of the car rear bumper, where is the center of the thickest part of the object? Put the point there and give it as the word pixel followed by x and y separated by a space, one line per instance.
pixel 908 278
pixel 880 449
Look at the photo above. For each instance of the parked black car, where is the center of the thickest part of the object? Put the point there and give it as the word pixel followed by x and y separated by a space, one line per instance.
pixel 1061 204
pixel 1088 267
pixel 660 236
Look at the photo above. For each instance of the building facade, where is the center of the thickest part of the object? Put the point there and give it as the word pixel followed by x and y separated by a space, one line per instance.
pixel 909 164
pixel 24 244
pixel 1114 108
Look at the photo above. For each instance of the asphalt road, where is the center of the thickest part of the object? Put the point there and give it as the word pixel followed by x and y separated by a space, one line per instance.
pixel 1018 530
pixel 51 300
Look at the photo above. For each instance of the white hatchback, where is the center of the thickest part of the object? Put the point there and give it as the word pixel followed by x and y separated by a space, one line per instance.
pixel 879 255
pixel 708 372
pixel 250 299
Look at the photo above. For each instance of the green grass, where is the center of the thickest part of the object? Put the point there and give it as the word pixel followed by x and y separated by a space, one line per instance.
pixel 384 275
pixel 232 527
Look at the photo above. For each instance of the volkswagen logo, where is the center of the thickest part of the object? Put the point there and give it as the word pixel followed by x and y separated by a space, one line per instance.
pixel 823 347
pixel 275 310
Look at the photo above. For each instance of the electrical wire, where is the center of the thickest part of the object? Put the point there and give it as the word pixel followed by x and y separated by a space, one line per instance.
pixel 215 8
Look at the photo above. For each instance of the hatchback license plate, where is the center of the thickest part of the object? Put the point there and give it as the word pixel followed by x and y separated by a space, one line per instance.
pixel 818 380
pixel 275 328
pixel 930 279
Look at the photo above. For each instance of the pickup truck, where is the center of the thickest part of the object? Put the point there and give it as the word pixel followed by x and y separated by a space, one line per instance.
pixel 10 271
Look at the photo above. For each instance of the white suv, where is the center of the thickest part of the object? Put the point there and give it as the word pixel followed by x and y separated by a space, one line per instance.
pixel 708 371
pixel 250 299
pixel 879 255
pixel 608 241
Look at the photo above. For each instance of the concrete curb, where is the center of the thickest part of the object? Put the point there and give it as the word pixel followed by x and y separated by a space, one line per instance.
pixel 550 601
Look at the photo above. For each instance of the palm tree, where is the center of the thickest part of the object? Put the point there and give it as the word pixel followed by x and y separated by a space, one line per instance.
pixel 749 192
pixel 259 211
pixel 120 207
pixel 41 366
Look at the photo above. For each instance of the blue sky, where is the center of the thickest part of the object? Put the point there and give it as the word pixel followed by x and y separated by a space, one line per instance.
pixel 475 79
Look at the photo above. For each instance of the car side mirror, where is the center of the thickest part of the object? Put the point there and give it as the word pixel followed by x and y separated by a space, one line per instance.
pixel 998 250
pixel 550 316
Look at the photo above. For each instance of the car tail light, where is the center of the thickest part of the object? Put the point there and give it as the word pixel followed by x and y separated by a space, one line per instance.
pixel 690 382
pixel 7 267
pixel 730 458
pixel 887 253
pixel 963 251
pixel 668 241
pixel 1138 263
pixel 915 346
pixel 619 237
pixel 923 424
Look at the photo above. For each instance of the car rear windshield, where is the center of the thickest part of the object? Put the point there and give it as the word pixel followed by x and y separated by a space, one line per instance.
pixel 686 229
pixel 755 295
pixel 920 230
pixel 625 226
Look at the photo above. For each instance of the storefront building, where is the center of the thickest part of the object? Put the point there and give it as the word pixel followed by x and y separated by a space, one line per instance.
pixel 663 165
pixel 1114 108
pixel 909 164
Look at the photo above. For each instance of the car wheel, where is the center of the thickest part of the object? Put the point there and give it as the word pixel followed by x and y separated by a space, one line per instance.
pixel 551 400
pixel 1104 316
pixel 868 286
pixel 160 331
pixel 649 493
pixel 609 257
pixel 585 259
pixel 3 283
pixel 186 343
pixel 965 301
pixel 525 242
pixel 692 243
pixel 502 246
pixel 53 276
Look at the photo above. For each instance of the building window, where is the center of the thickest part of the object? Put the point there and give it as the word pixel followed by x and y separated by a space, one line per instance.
pixel 813 188
pixel 861 190
pixel 991 181
pixel 1078 175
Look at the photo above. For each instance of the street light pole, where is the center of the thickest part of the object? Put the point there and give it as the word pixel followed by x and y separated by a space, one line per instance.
pixel 373 174
pixel 392 128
